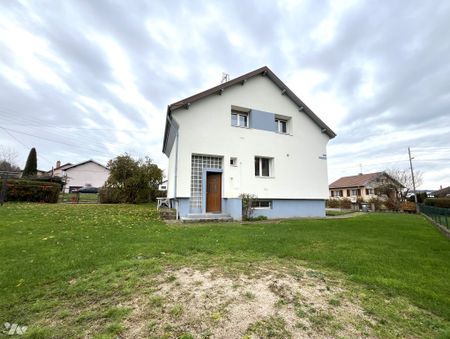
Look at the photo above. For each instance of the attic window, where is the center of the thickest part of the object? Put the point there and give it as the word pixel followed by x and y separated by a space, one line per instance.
pixel 281 125
pixel 239 119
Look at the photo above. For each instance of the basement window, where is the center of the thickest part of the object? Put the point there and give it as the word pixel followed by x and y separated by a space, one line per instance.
pixel 262 204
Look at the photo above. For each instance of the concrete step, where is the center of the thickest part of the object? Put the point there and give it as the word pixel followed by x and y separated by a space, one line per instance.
pixel 200 217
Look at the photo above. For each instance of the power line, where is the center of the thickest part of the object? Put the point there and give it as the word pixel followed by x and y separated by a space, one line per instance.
pixel 26 147
pixel 38 121
pixel 55 141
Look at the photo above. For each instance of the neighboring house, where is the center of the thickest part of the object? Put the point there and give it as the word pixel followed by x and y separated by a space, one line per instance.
pixel 58 170
pixel 360 186
pixel 442 193
pixel 429 193
pixel 249 135
pixel 86 173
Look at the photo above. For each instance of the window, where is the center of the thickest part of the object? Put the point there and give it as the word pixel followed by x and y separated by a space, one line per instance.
pixel 239 119
pixel 369 191
pixel 281 126
pixel 336 193
pixel 348 193
pixel 260 204
pixel 356 192
pixel 262 167
pixel 233 161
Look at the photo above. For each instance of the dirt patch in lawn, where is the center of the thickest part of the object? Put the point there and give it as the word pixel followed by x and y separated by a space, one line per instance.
pixel 300 303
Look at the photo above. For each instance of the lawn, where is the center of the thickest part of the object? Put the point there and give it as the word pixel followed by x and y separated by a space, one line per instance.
pixel 71 270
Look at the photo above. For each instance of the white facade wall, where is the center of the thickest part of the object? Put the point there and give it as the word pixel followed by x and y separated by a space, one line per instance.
pixel 205 128
pixel 87 174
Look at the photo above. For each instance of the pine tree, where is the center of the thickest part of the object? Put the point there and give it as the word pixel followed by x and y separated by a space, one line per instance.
pixel 30 169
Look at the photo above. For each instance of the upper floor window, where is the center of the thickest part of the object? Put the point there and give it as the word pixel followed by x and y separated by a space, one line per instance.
pixel 281 125
pixel 239 119
pixel 263 167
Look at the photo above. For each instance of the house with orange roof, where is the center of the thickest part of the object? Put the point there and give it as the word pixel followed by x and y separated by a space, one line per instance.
pixel 361 186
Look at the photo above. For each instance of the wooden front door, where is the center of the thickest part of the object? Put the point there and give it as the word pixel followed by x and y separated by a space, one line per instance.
pixel 214 192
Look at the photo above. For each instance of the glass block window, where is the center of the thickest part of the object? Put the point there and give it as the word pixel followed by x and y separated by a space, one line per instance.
pixel 199 162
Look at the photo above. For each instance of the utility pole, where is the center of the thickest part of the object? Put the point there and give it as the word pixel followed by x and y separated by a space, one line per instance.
pixel 413 181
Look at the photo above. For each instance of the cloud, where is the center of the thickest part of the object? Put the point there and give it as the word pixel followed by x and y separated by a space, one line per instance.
pixel 92 79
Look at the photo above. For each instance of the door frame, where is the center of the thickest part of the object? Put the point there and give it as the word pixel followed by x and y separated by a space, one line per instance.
pixel 204 183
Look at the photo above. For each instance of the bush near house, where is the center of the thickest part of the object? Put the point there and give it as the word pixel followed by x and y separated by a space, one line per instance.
pixel 345 204
pixel 31 191
pixel 131 181
pixel 333 203
pixel 377 203
pixel 438 202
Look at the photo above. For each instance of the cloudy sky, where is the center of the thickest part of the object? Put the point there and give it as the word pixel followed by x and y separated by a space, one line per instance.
pixel 92 79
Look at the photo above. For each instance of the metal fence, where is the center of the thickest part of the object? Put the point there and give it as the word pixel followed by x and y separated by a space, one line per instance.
pixel 79 198
pixel 438 214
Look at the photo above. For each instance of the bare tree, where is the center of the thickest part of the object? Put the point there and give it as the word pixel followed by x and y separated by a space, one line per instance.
pixel 8 159
pixel 403 176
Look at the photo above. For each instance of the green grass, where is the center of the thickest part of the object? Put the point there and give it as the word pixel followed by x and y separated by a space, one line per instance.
pixel 333 213
pixel 60 259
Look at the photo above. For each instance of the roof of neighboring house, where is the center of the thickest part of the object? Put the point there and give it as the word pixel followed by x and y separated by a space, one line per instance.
pixel 355 180
pixel 84 162
pixel 60 167
pixel 264 71
pixel 444 191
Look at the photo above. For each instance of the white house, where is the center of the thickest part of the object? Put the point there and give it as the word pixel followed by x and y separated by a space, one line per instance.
pixel 250 135
pixel 86 173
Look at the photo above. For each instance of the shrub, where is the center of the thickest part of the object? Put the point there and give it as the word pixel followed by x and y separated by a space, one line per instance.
pixel 392 203
pixel 109 195
pixel 32 191
pixel 247 205
pixel 333 203
pixel 345 203
pixel 132 181
pixel 438 202
pixel 376 202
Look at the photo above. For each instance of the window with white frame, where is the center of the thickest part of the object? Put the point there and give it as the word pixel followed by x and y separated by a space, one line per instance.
pixel 263 167
pixel 281 125
pixel 262 204
pixel 356 192
pixel 239 119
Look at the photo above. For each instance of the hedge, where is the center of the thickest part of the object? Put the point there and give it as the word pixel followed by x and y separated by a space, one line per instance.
pixel 438 202
pixel 32 191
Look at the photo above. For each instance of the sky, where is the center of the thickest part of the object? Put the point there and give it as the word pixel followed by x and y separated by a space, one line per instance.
pixel 88 79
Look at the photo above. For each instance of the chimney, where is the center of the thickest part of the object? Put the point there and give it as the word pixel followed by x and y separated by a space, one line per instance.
pixel 440 187
pixel 58 164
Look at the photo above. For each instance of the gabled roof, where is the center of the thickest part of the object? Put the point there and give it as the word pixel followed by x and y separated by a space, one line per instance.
pixel 442 192
pixel 264 71
pixel 355 180
pixel 84 162
pixel 63 166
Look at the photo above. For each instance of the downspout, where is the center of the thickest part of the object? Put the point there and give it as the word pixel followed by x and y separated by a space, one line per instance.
pixel 176 177
pixel 176 169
